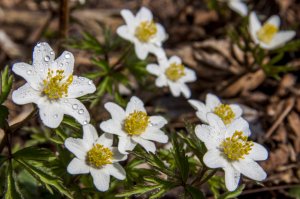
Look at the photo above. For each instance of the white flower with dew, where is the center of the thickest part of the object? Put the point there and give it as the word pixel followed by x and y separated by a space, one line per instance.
pixel 95 155
pixel 134 126
pixel 228 148
pixel 146 35
pixel 227 112
pixel 268 36
pixel 52 86
pixel 174 74
pixel 238 6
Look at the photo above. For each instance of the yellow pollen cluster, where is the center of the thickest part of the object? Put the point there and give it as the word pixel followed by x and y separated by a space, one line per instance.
pixel 99 156
pixel 237 146
pixel 175 72
pixel 55 86
pixel 267 33
pixel 136 123
pixel 145 31
pixel 225 112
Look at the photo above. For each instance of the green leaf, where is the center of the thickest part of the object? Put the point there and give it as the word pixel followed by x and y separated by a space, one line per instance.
pixel 294 192
pixel 293 45
pixel 45 177
pixel 2 159
pixel 3 115
pixel 12 191
pixel 233 194
pixel 194 192
pixel 101 64
pixel 6 83
pixel 140 189
pixel 276 59
pixel 34 153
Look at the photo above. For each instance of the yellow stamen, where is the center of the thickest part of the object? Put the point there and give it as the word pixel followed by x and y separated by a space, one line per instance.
pixel 55 86
pixel 225 112
pixel 145 31
pixel 136 123
pixel 237 146
pixel 175 71
pixel 99 156
pixel 267 33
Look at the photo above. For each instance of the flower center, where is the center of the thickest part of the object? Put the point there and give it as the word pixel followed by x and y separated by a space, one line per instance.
pixel 136 123
pixel 237 146
pixel 175 71
pixel 225 112
pixel 99 156
pixel 55 86
pixel 145 31
pixel 267 33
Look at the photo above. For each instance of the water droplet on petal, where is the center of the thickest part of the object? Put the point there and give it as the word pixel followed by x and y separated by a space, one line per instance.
pixel 90 82
pixel 75 106
pixel 67 56
pixel 51 53
pixel 65 101
pixel 47 58
pixel 61 65
pixel 85 122
pixel 22 66
pixel 81 92
pixel 55 116
pixel 80 111
pixel 29 72
pixel 38 45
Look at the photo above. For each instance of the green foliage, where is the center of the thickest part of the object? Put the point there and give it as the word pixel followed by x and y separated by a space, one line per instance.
pixel 3 116
pixel 6 83
pixel 12 190
pixel 294 192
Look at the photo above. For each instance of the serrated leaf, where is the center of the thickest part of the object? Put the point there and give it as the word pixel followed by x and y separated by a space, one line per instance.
pixel 34 153
pixel 6 83
pixel 233 194
pixel 12 191
pixel 138 190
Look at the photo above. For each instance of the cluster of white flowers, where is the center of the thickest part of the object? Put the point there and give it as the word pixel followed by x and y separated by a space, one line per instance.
pixel 52 86
pixel 147 37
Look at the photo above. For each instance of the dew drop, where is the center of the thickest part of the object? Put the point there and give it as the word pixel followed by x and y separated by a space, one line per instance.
pixel 55 116
pixel 75 106
pixel 51 53
pixel 65 101
pixel 81 92
pixel 61 65
pixel 85 122
pixel 67 56
pixel 80 111
pixel 47 58
pixel 38 45
pixel 29 72
pixel 90 82
pixel 22 66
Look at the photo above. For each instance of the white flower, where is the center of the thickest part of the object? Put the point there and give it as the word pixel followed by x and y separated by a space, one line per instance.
pixel 141 30
pixel 228 113
pixel 238 6
pixel 51 85
pixel 229 149
pixel 174 74
pixel 134 126
pixel 268 35
pixel 95 155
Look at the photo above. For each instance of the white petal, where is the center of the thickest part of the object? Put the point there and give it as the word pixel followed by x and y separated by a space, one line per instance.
pixel 80 87
pixel 90 134
pixel 144 14
pixel 101 179
pixel 258 152
pixel 161 33
pixel 237 110
pixel 77 146
pixel 129 19
pixel 190 76
pixel 238 7
pixel 110 126
pixel 155 134
pixel 140 50
pixel 175 59
pixel 77 166
pixel 106 139
pixel 238 125
pixel 126 144
pixel 209 136
pixel 135 104
pixel 43 57
pixel 161 81
pixel 274 20
pixel 66 62
pixel 185 90
pixel 25 94
pixel 201 109
pixel 212 101
pixel 153 69
pixel 232 178
pixel 124 32
pixel 158 121
pixel 158 51
pixel 216 122
pixel 76 109
pixel 174 88
pixel 254 26
pixel 117 113
pixel 250 169
pixel 147 145
pixel 117 156
pixel 116 170
pixel 280 39
pixel 51 114
pixel 28 73
pixel 214 159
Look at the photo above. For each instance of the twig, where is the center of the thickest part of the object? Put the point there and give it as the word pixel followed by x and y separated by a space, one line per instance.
pixel 64 13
